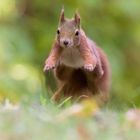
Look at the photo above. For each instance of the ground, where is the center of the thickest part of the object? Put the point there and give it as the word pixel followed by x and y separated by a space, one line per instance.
pixel 80 121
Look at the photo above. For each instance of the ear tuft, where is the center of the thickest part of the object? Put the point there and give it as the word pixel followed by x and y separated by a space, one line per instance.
pixel 77 19
pixel 62 16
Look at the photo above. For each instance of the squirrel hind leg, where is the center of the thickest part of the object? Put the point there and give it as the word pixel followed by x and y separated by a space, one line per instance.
pixel 58 94
pixel 99 71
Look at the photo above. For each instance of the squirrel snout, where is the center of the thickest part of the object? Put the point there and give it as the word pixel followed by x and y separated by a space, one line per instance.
pixel 66 42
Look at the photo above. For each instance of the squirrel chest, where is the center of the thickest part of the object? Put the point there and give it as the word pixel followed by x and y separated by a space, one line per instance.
pixel 71 57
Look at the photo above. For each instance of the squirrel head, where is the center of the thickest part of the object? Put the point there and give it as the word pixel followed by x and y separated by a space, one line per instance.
pixel 68 32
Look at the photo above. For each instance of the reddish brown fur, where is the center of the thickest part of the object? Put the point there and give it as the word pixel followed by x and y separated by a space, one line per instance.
pixel 78 82
pixel 91 79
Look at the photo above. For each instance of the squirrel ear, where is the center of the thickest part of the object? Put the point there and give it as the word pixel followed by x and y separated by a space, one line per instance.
pixel 62 16
pixel 77 19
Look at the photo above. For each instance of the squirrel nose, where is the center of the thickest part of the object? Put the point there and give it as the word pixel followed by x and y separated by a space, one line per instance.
pixel 66 43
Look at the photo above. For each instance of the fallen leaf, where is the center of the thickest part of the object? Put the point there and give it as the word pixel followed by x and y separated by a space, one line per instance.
pixel 133 117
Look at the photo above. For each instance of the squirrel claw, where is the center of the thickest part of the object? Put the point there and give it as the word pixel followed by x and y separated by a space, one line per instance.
pixel 48 67
pixel 89 67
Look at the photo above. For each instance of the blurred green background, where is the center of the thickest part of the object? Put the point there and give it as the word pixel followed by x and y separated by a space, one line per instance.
pixel 27 30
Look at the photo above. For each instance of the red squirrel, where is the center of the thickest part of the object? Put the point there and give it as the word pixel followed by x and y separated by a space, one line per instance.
pixel 80 67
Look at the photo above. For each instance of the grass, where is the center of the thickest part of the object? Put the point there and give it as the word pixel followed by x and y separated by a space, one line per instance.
pixel 48 121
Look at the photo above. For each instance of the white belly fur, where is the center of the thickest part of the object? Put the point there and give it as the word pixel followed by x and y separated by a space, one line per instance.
pixel 71 57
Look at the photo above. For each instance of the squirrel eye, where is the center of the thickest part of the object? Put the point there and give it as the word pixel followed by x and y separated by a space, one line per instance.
pixel 77 33
pixel 58 31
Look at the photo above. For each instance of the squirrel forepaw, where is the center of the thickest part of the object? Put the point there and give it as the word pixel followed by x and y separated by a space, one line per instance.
pixel 89 67
pixel 48 67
